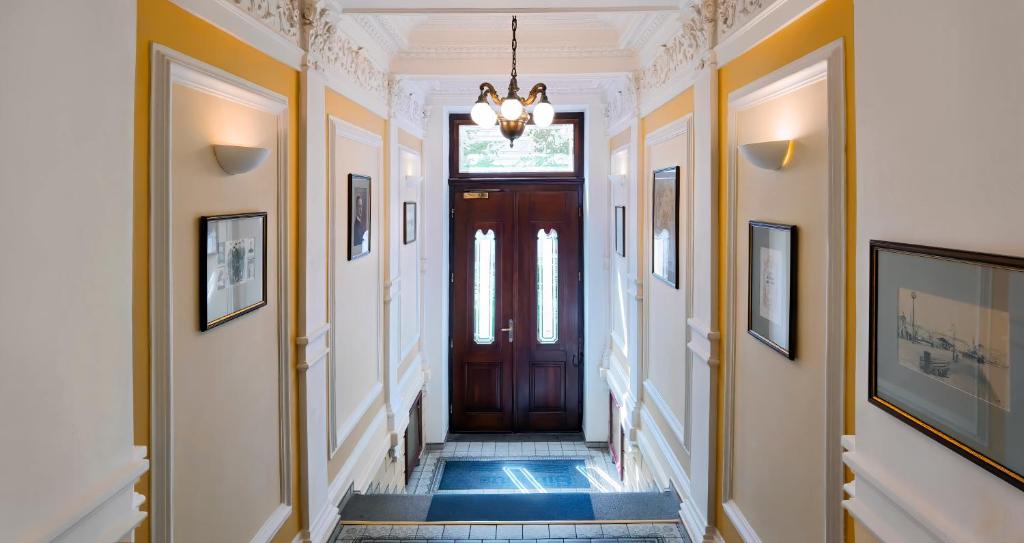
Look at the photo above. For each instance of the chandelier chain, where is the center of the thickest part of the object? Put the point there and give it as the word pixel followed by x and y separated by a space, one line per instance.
pixel 515 25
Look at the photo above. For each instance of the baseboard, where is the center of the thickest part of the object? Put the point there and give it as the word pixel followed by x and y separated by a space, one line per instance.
pixel 364 446
pixel 740 522
pixel 272 524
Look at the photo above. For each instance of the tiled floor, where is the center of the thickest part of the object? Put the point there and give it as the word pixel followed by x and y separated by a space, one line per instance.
pixel 505 533
pixel 605 478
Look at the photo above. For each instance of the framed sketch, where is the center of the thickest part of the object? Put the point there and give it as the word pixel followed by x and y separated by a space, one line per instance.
pixel 946 334
pixel 409 213
pixel 665 226
pixel 771 286
pixel 233 277
pixel 620 231
pixel 359 216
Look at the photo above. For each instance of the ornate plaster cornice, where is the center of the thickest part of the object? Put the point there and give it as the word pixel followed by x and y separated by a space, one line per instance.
pixel 686 51
pixel 332 52
pixel 281 16
pixel 503 51
pixel 622 101
pixel 732 14
pixel 407 103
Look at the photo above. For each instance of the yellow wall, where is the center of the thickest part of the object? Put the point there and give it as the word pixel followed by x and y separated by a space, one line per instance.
pixel 831 20
pixel 618 140
pixel 408 140
pixel 159 21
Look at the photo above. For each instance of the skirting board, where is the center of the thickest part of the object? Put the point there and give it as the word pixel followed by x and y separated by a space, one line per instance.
pixel 740 522
pixel 365 446
pixel 272 524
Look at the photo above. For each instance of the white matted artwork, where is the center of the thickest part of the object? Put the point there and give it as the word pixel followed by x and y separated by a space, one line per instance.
pixel 233 267
pixel 772 308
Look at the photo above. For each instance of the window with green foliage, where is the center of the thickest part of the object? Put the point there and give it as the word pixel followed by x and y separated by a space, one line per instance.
pixel 482 152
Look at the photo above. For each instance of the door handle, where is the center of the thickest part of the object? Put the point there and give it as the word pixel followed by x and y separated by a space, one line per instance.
pixel 510 330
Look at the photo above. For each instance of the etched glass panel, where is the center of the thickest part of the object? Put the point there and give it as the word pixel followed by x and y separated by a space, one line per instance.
pixel 547 286
pixel 483 287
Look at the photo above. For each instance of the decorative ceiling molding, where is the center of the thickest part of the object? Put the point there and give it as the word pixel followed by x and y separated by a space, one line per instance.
pixel 468 87
pixel 733 14
pixel 686 51
pixel 281 16
pixel 407 103
pixel 384 32
pixel 503 51
pixel 332 52
pixel 622 101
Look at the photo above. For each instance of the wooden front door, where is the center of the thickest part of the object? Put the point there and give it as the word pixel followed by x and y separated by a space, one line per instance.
pixel 516 320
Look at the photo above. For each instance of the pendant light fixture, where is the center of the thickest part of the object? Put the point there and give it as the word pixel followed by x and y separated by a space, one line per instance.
pixel 512 114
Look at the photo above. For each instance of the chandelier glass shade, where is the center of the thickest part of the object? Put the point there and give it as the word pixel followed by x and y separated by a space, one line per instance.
pixel 512 115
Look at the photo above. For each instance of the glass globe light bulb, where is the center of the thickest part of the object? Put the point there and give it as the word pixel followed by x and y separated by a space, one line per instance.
pixel 483 114
pixel 511 109
pixel 543 114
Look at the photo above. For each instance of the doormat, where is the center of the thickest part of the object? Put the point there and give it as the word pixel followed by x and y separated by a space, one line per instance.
pixel 511 507
pixel 534 476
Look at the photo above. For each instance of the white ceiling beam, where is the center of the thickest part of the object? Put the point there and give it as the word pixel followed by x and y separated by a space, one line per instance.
pixel 395 7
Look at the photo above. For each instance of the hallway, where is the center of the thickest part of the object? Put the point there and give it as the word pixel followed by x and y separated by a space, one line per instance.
pixel 564 271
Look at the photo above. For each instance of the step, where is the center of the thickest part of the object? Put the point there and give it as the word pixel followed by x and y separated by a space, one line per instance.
pixel 623 506
pixel 620 532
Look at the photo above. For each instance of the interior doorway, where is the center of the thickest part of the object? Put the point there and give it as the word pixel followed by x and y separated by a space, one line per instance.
pixel 516 326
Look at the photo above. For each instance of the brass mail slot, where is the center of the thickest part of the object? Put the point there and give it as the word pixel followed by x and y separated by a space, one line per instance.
pixel 475 195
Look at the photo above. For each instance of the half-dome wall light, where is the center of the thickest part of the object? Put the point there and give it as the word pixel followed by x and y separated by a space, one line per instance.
pixel 512 115
pixel 237 159
pixel 768 155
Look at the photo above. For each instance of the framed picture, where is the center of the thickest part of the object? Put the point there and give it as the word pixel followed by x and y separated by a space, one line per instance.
pixel 232 278
pixel 620 231
pixel 945 338
pixel 771 286
pixel 665 231
pixel 359 216
pixel 409 212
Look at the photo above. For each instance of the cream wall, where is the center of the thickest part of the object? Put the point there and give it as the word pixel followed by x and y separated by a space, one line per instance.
pixel 226 477
pixel 778 465
pixel 939 131
pixel 65 322
pixel 356 316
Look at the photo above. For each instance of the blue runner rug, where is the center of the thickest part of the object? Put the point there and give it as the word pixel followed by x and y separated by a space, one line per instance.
pixel 510 507
pixel 523 476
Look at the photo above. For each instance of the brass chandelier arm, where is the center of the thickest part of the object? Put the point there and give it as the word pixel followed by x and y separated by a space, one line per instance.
pixel 488 90
pixel 540 89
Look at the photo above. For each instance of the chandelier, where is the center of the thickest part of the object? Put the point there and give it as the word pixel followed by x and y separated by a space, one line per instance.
pixel 512 115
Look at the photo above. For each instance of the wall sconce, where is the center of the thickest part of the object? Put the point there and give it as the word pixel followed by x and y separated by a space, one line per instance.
pixel 236 159
pixel 768 155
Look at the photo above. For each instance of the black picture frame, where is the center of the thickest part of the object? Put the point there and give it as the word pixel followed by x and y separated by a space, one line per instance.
pixel 759 323
pixel 409 224
pixel 665 192
pixel 360 216
pixel 620 231
pixel 208 232
pixel 893 379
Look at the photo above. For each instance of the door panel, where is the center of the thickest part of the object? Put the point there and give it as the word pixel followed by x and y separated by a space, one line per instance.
pixel 516 334
pixel 482 373
pixel 548 285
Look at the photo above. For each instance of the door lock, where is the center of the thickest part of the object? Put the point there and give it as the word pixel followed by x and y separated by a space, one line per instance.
pixel 510 330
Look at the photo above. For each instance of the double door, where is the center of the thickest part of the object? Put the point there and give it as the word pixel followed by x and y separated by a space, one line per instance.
pixel 516 321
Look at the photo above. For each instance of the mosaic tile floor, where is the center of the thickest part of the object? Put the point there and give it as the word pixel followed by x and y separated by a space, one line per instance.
pixel 506 533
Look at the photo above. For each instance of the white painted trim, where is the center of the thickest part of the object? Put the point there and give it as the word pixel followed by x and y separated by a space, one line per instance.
pixel 740 522
pixel 313 336
pixel 229 18
pixel 272 524
pixel 825 63
pixel 653 99
pixel 674 424
pixel 660 453
pixel 346 86
pixel 894 499
pixel 340 128
pixel 344 478
pixel 345 428
pixel 100 504
pixel 170 68
pixel 773 18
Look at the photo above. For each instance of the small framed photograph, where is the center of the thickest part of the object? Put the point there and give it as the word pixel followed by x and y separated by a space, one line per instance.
pixel 409 214
pixel 359 216
pixel 665 231
pixel 232 267
pixel 771 287
pixel 620 231
pixel 945 335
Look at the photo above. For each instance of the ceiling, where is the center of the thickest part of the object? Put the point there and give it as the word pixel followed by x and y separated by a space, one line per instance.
pixel 548 41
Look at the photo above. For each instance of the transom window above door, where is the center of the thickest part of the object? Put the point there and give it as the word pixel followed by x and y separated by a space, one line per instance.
pixel 555 151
